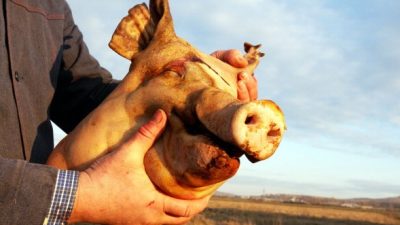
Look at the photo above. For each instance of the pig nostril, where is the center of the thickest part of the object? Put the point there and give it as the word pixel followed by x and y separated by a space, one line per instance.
pixel 274 133
pixel 250 120
pixel 273 130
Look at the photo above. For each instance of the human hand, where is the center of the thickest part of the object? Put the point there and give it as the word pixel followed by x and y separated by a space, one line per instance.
pixel 247 84
pixel 116 189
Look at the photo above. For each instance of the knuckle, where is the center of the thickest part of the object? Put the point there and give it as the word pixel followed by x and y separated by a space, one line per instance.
pixel 188 211
pixel 234 52
pixel 164 205
pixel 217 54
pixel 244 97
pixel 147 131
pixel 241 93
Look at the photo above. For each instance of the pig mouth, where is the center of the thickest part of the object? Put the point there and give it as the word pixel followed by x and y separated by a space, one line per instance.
pixel 195 128
pixel 203 158
pixel 231 150
pixel 216 162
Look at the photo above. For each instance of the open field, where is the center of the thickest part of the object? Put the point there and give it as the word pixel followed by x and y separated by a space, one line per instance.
pixel 235 211
pixel 239 211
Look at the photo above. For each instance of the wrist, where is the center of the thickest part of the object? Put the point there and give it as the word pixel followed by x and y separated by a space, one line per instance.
pixel 81 212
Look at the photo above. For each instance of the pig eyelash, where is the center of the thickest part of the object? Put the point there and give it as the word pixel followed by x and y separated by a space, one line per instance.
pixel 197 59
pixel 216 73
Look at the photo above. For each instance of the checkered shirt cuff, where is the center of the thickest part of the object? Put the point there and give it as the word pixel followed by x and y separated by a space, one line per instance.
pixel 63 197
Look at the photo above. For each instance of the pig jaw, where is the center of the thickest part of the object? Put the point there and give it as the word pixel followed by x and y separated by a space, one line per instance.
pixel 197 159
pixel 188 165
pixel 170 179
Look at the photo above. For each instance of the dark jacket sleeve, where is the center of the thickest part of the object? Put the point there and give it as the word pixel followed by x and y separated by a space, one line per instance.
pixel 82 84
pixel 24 186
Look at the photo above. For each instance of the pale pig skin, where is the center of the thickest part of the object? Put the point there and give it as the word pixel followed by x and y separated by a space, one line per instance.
pixel 208 128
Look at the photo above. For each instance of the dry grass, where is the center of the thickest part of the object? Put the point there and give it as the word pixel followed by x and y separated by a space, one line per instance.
pixel 203 220
pixel 229 211
pixel 245 212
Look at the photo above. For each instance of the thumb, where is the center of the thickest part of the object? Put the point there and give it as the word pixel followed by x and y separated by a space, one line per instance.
pixel 184 208
pixel 144 138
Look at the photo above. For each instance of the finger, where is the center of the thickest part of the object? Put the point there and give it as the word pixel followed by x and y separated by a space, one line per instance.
pixel 144 138
pixel 251 85
pixel 242 92
pixel 184 208
pixel 232 57
pixel 166 219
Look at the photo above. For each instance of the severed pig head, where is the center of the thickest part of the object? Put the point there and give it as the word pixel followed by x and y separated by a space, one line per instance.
pixel 208 128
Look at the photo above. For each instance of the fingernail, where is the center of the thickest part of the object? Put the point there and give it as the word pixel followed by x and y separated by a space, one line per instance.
pixel 157 117
pixel 244 75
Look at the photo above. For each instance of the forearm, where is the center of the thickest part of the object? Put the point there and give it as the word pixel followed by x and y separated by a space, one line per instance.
pixel 25 192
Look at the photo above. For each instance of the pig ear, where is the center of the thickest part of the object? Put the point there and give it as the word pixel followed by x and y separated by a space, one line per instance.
pixel 160 12
pixel 135 31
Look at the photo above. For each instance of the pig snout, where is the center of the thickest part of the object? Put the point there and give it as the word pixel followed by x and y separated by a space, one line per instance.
pixel 255 127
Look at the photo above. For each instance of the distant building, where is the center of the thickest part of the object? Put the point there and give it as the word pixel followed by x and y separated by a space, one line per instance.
pixel 367 207
pixel 350 205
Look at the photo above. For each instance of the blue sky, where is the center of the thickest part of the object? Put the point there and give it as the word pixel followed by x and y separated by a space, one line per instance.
pixel 333 67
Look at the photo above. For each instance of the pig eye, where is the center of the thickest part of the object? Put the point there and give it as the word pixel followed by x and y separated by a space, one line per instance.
pixel 177 67
pixel 180 75
pixel 172 73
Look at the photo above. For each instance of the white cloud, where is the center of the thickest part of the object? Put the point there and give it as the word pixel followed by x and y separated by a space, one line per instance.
pixel 395 119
